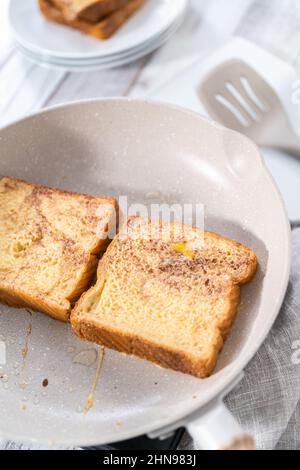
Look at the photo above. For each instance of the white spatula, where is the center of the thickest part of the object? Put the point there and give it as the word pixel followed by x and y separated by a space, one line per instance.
pixel 236 95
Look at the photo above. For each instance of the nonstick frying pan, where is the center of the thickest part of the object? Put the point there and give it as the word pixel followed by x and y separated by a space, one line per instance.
pixel 142 150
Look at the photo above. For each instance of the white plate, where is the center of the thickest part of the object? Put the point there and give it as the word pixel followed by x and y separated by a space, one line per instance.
pixel 97 64
pixel 107 59
pixel 46 38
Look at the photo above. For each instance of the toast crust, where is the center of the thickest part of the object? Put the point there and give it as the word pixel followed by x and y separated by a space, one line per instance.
pixel 88 10
pixel 88 329
pixel 88 324
pixel 49 245
pixel 103 29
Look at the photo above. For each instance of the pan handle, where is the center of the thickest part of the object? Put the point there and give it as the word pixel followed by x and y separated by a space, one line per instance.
pixel 217 429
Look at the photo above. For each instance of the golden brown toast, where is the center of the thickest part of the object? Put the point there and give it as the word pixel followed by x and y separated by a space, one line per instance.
pixel 104 29
pixel 50 241
pixel 167 293
pixel 88 10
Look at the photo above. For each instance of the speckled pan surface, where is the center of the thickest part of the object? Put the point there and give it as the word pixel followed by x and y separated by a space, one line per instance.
pixel 133 148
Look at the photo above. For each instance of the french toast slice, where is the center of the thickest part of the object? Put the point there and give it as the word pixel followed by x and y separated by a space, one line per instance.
pixel 88 10
pixel 103 29
pixel 50 241
pixel 166 292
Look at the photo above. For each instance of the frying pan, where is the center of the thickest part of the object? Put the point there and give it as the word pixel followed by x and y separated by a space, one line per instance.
pixel 136 148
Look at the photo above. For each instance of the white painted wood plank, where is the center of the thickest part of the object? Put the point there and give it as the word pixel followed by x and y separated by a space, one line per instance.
pixel 24 87
pixel 12 76
pixel 5 34
pixel 96 84
pixel 207 25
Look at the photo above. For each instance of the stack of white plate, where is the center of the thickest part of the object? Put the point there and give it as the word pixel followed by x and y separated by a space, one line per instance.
pixel 61 47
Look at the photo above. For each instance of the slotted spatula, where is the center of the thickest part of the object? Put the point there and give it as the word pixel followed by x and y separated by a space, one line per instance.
pixel 237 96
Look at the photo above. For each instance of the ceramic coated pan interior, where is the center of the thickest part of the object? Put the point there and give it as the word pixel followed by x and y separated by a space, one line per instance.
pixel 133 148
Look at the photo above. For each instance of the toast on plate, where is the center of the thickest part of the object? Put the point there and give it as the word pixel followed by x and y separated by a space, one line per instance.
pixel 88 10
pixel 103 29
pixel 166 292
pixel 50 241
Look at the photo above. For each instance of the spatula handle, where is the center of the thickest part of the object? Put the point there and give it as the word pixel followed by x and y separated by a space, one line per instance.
pixel 283 137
